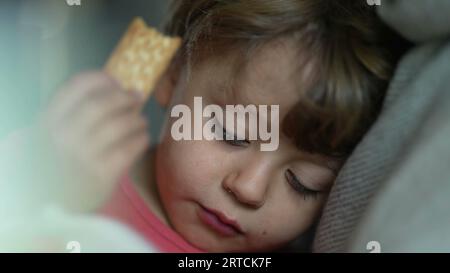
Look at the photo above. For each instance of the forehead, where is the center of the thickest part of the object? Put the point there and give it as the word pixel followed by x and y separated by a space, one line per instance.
pixel 270 75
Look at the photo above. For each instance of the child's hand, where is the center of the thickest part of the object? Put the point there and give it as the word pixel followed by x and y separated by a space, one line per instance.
pixel 96 131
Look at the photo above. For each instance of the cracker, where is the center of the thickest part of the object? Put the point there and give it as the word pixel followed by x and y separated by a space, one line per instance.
pixel 141 57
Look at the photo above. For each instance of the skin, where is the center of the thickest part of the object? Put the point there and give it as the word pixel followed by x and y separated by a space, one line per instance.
pixel 176 178
pixel 193 173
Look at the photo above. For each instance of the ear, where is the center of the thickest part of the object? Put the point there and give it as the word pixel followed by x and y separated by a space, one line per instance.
pixel 165 87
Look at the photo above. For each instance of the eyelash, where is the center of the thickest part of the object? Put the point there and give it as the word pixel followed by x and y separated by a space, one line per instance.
pixel 234 141
pixel 298 186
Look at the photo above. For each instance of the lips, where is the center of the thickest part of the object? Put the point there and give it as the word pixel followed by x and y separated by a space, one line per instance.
pixel 219 222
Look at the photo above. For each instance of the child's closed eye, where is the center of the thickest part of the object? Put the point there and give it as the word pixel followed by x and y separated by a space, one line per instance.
pixel 233 139
pixel 298 186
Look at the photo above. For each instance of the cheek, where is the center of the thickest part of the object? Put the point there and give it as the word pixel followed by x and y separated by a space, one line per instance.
pixel 187 167
pixel 287 218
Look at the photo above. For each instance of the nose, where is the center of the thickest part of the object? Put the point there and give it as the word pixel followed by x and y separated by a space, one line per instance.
pixel 249 183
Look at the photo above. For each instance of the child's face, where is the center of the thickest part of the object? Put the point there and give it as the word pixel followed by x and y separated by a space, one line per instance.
pixel 243 183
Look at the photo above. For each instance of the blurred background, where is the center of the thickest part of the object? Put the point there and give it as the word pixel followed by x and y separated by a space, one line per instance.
pixel 45 42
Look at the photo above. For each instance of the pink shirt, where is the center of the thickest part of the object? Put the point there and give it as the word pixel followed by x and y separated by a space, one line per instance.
pixel 126 206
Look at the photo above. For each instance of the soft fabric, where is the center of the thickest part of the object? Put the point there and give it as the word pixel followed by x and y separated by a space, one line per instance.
pixel 127 207
pixel 394 188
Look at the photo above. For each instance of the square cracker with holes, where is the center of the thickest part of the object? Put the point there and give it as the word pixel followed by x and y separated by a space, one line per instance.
pixel 141 57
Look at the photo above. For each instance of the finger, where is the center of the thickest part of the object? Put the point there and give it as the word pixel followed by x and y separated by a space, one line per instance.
pixel 119 160
pixel 100 106
pixel 110 134
pixel 139 96
pixel 98 112
pixel 76 90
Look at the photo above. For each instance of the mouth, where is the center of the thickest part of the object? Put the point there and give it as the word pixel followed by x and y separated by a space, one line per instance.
pixel 217 221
